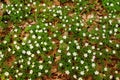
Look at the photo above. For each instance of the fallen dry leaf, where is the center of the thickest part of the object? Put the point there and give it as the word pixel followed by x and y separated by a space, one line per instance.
pixel 54 69
pixel 56 2
pixel 57 58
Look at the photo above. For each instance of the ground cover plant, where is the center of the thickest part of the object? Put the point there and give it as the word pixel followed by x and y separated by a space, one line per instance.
pixel 60 40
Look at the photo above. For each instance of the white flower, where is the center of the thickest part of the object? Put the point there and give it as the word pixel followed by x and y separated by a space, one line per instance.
pixel 54 35
pixel 59 51
pixel 46 71
pixel 23 51
pixel 14 42
pixel 85 55
pixel 34 3
pixel 78 47
pixel 17 47
pixel 111 76
pixel 38 51
pixel 96 29
pixel 60 64
pixel 37 45
pixel 44 49
pixel 61 41
pixel 74 54
pixel 29 79
pixel 54 15
pixel 114 52
pixel 69 61
pixel 96 72
pixel 80 78
pixel 86 44
pixel 82 24
pixel 41 67
pixel 31 71
pixel 111 4
pixel 67 72
pixel 73 67
pixel 89 51
pixel 16 75
pixel 20 74
pixel 117 78
pixel 21 66
pixel 107 50
pixel 45 43
pixel 93 47
pixel 28 62
pixel 32 55
pixel 17 11
pixel 67 48
pixel 75 76
pixel 81 8
pixel 33 36
pixel 77 24
pixel 93 65
pixel 6 73
pixel 110 32
pixel 77 67
pixel 28 53
pixel 82 73
pixel 31 31
pixel 31 46
pixel 64 25
pixel 103 26
pixel 68 53
pixel 64 37
pixel 15 35
pixel 23 43
pixel 39 73
pixel 50 62
pixel 86 67
pixel 105 69
pixel 110 41
pixel 117 45
pixel 9 49
pixel 82 62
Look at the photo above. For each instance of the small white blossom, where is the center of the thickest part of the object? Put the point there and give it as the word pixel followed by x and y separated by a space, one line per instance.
pixel 96 72
pixel 67 72
pixel 93 65
pixel 33 36
pixel 78 47
pixel 64 37
pixel 31 71
pixel 28 53
pixel 61 41
pixel 75 76
pixel 85 55
pixel 39 74
pixel 82 73
pixel 86 44
pixel 46 71
pixel 44 49
pixel 89 51
pixel 60 64
pixel 80 78
pixel 68 53
pixel 111 76
pixel 84 34
pixel 74 54
pixel 20 74
pixel 41 67
pixel 82 62
pixel 59 51
pixel 6 73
